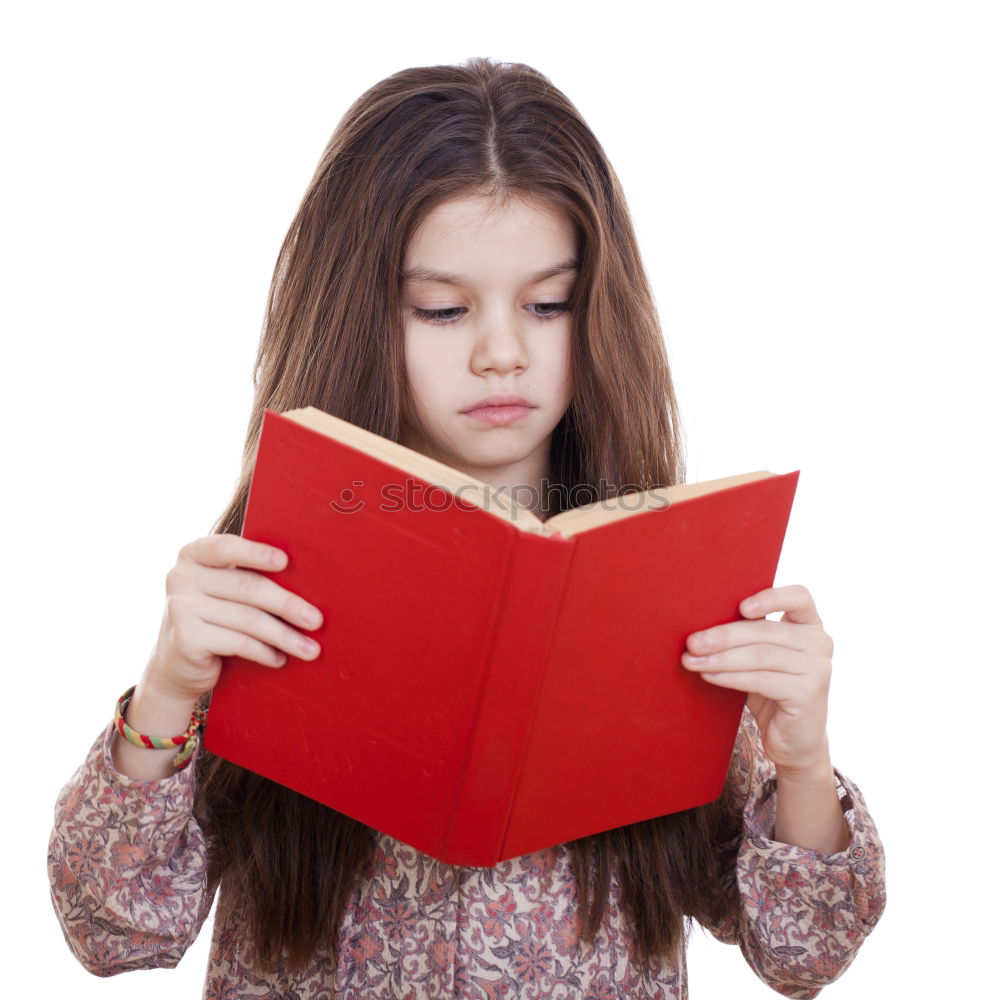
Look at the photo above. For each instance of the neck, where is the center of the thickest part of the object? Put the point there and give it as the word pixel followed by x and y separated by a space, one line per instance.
pixel 522 482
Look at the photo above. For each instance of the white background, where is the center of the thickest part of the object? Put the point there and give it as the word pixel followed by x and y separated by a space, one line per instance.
pixel 815 191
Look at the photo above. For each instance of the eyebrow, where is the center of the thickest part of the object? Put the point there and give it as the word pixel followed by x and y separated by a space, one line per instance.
pixel 447 278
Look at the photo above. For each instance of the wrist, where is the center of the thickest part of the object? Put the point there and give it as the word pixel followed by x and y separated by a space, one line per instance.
pixel 144 733
pixel 808 812
pixel 165 677
pixel 158 713
pixel 814 769
pixel 151 694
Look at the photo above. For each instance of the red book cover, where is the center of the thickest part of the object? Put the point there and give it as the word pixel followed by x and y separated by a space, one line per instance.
pixel 488 686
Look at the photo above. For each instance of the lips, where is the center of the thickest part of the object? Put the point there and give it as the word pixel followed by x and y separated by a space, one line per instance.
pixel 508 399
pixel 498 415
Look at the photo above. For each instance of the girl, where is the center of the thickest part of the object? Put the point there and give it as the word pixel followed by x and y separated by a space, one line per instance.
pixel 462 276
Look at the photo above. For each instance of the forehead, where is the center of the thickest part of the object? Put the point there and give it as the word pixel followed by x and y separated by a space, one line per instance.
pixel 473 234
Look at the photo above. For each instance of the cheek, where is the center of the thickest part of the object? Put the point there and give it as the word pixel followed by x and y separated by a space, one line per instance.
pixel 560 360
pixel 415 358
pixel 425 370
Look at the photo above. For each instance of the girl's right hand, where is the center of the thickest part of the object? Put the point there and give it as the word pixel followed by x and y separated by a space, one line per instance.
pixel 218 605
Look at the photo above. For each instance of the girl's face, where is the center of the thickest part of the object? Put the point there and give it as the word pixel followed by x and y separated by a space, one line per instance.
pixel 484 297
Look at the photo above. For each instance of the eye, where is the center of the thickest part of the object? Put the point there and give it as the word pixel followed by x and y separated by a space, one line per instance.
pixel 549 310
pixel 444 317
pixel 441 316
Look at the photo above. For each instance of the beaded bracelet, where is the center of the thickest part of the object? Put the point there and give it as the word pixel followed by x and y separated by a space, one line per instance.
pixel 187 739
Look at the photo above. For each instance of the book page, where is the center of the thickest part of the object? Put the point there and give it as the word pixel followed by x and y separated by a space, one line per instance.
pixel 572 522
pixel 432 471
pixel 497 502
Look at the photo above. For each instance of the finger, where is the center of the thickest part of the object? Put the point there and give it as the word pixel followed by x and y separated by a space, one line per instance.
pixel 767 683
pixel 797 695
pixel 250 588
pixel 759 656
pixel 259 625
pixel 794 600
pixel 234 550
pixel 227 642
pixel 743 633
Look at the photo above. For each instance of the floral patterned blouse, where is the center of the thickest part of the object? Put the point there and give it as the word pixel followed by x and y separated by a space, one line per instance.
pixel 127 871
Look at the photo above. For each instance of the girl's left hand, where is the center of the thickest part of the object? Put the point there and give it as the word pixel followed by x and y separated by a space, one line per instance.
pixel 784 665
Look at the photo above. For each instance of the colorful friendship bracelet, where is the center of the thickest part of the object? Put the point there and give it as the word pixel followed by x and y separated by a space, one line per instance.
pixel 187 739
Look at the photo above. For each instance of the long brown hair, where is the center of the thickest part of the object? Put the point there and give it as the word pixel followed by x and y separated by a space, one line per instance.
pixel 332 338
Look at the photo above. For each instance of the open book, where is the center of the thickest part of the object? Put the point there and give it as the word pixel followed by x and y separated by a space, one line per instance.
pixel 490 684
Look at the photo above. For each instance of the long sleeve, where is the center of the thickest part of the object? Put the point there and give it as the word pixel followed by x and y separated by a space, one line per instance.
pixel 803 914
pixel 127 866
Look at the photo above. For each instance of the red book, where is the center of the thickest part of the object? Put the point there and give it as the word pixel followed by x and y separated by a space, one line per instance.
pixel 489 684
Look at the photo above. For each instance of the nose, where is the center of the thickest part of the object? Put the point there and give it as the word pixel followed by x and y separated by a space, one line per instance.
pixel 500 345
